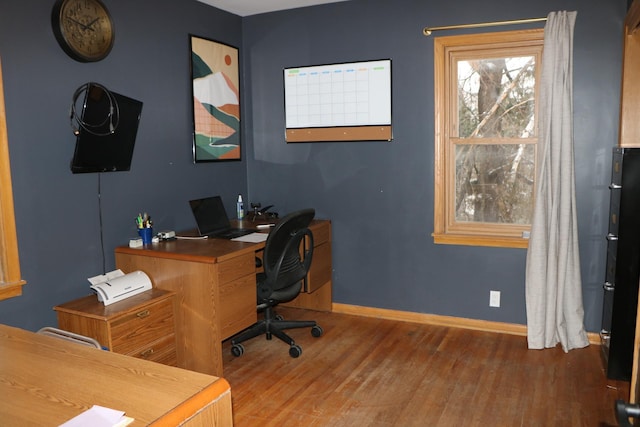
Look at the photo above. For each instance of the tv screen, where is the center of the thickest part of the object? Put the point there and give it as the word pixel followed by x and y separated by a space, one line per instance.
pixel 107 132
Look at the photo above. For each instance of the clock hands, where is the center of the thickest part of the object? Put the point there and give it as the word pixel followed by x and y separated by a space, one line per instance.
pixel 77 22
pixel 88 26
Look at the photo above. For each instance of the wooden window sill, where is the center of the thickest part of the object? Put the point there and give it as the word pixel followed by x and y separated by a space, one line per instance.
pixel 10 290
pixel 471 240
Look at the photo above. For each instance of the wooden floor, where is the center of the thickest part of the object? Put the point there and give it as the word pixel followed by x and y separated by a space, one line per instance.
pixel 372 372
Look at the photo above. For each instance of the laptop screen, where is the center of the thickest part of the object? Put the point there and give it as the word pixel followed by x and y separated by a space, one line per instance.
pixel 210 215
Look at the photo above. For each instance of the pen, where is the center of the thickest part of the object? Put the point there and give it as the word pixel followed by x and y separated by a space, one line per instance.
pixel 144 221
pixel 259 226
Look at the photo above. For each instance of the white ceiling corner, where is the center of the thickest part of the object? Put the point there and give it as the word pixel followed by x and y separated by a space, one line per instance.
pixel 254 7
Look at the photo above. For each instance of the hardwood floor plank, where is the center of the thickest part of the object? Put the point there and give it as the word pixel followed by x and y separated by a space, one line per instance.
pixel 375 372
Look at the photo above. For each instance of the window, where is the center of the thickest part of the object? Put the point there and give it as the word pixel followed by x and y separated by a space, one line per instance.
pixel 10 281
pixel 486 136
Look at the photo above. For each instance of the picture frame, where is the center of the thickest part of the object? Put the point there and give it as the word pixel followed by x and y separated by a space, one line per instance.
pixel 215 85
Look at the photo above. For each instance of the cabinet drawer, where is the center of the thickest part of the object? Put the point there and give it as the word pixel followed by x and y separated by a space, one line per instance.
pixel 607 309
pixel 610 272
pixel 616 167
pixel 236 267
pixel 238 305
pixel 161 351
pixel 613 223
pixel 140 328
pixel 321 233
pixel 320 271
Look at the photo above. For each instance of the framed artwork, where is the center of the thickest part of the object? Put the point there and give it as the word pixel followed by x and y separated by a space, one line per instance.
pixel 216 100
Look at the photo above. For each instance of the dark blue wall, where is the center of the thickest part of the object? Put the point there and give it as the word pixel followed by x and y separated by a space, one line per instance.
pixel 378 195
pixel 56 212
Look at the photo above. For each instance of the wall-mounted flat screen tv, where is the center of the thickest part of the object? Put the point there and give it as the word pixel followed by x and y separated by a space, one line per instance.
pixel 107 132
pixel 338 102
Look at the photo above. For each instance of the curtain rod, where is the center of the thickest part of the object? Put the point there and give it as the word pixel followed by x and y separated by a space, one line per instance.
pixel 427 30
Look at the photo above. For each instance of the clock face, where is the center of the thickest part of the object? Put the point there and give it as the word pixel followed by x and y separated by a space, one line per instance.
pixel 83 28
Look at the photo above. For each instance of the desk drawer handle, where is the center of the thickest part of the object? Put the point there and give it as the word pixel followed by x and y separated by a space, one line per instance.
pixel 147 353
pixel 143 314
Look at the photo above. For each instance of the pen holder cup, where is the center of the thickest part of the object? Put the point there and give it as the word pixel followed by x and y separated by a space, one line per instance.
pixel 146 234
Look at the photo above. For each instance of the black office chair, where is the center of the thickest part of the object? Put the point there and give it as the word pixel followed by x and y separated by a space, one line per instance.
pixel 624 411
pixel 286 261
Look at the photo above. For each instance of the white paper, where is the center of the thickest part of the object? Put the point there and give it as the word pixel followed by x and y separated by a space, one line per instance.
pixel 252 238
pixel 96 280
pixel 97 416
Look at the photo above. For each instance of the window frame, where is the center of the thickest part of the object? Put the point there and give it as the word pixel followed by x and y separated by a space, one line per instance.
pixel 10 278
pixel 446 50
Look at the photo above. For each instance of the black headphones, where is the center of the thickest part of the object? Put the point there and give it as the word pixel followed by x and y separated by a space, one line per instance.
pixel 112 118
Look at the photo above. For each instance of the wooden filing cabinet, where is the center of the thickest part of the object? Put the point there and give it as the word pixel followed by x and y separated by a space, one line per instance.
pixel 141 326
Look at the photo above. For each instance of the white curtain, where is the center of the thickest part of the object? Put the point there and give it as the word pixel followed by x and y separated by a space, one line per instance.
pixel 553 284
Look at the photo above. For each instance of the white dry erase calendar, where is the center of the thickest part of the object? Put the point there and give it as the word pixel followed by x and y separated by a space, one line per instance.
pixel 338 102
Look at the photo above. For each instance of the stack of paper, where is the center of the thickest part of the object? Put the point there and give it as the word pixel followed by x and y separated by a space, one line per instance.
pixel 252 238
pixel 99 416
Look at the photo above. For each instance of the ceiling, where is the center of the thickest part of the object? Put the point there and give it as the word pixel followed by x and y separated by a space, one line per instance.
pixel 254 7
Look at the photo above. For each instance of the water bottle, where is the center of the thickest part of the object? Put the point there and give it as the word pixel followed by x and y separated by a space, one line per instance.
pixel 240 207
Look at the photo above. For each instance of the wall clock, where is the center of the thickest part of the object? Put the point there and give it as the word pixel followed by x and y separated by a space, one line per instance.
pixel 83 28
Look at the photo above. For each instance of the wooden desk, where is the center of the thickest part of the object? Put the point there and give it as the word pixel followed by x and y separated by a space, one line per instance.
pixel 45 381
pixel 214 282
pixel 215 286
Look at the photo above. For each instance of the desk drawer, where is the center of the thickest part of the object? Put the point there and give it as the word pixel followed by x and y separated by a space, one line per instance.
pixel 141 328
pixel 320 271
pixel 321 232
pixel 236 267
pixel 238 303
pixel 161 351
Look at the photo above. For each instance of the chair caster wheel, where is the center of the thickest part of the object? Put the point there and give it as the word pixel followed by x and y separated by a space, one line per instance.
pixel 237 350
pixel 279 317
pixel 295 350
pixel 317 331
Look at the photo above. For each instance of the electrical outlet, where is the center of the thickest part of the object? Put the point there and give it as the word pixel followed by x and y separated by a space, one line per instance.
pixel 494 298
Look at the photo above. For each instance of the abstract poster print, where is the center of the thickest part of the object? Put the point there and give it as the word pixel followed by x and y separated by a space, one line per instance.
pixel 216 100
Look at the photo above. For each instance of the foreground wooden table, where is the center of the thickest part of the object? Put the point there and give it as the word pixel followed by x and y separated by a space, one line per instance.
pixel 45 381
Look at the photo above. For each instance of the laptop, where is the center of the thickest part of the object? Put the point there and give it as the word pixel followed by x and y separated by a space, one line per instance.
pixel 212 221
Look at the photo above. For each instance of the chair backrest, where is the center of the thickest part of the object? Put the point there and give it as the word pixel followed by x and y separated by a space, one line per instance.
pixel 285 261
pixel 69 336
